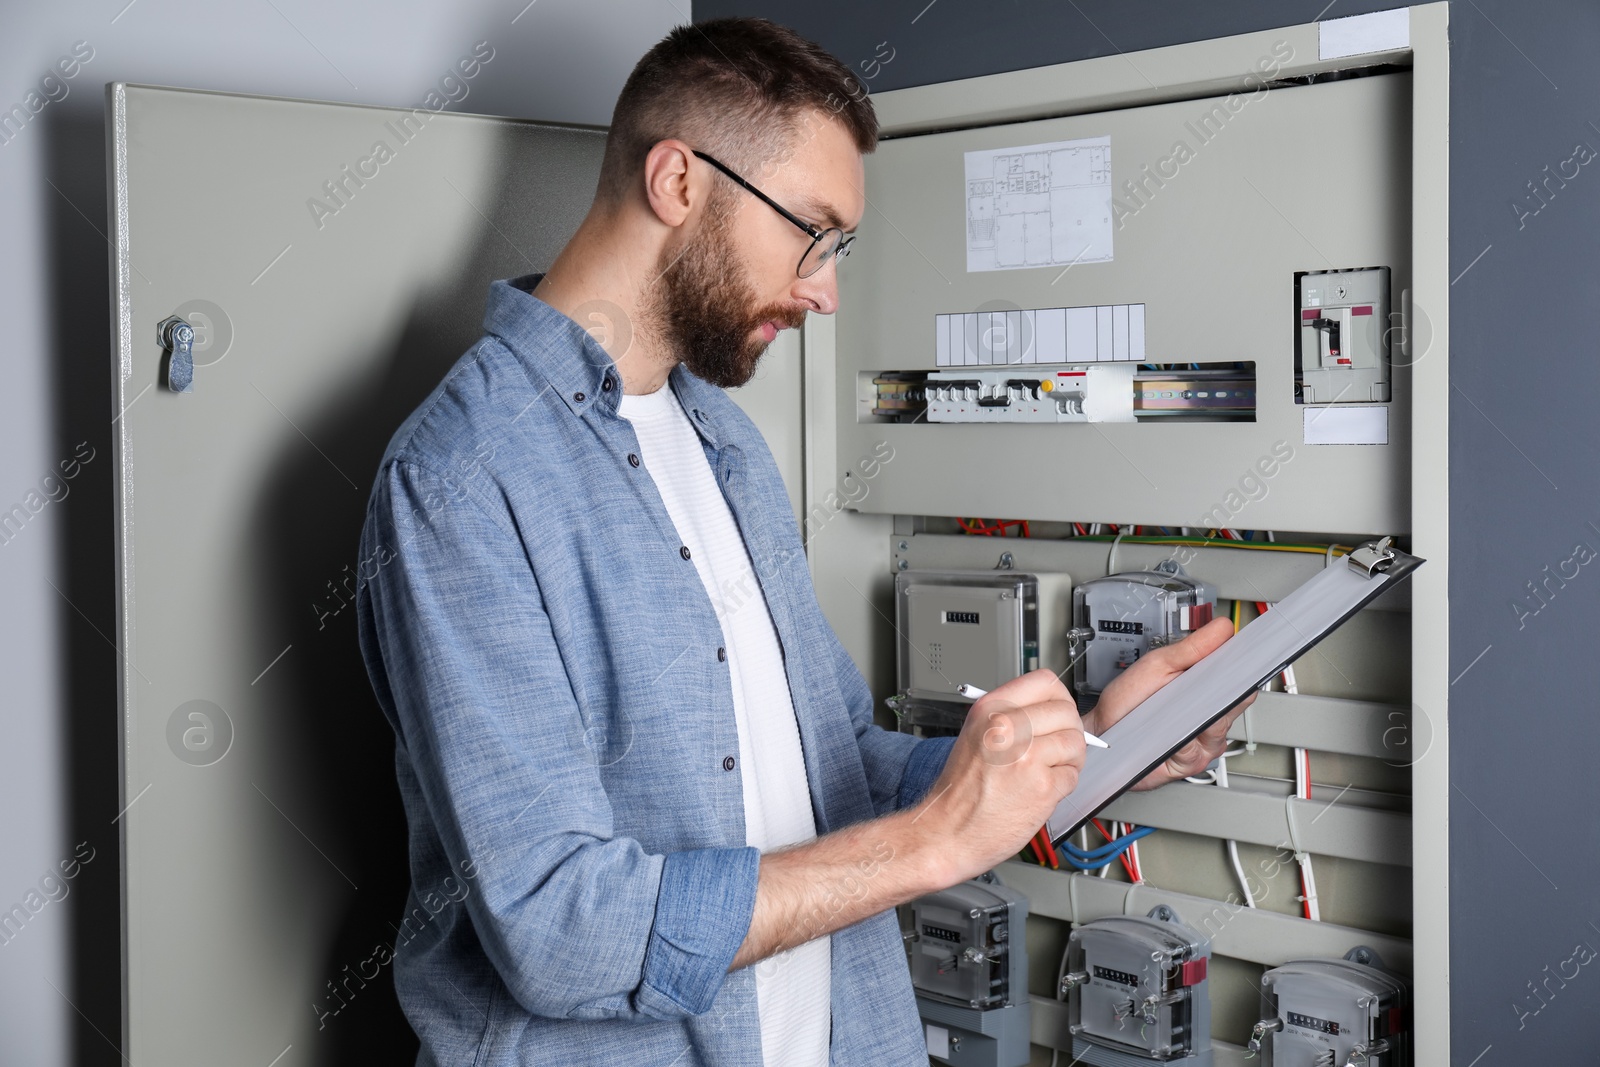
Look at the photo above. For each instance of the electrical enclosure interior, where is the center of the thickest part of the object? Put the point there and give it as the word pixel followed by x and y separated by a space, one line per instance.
pixel 1216 397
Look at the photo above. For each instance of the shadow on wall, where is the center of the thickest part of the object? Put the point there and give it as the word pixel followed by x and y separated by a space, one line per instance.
pixel 331 748
pixel 336 750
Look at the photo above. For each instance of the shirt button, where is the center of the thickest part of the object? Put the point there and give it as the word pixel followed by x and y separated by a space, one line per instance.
pixel 700 415
pixel 727 763
pixel 683 550
pixel 633 458
pixel 722 654
pixel 578 397
pixel 606 384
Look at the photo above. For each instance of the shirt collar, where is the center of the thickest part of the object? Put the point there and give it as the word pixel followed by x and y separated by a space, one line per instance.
pixel 562 352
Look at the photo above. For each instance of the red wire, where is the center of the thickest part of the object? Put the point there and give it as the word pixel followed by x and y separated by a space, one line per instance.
pixel 999 527
pixel 1033 843
pixel 1123 855
pixel 1305 761
pixel 1049 847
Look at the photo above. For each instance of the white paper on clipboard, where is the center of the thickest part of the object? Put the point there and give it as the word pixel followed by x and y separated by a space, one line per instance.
pixel 1147 735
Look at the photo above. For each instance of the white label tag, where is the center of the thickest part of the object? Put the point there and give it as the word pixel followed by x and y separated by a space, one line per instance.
pixel 938 1041
pixel 1339 424
pixel 1359 35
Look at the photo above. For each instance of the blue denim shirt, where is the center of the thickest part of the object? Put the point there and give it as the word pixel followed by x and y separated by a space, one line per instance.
pixel 564 731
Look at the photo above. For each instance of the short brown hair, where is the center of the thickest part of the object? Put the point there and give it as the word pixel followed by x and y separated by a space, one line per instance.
pixel 736 88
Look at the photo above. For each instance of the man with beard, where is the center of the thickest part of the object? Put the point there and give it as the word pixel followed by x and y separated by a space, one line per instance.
pixel 647 788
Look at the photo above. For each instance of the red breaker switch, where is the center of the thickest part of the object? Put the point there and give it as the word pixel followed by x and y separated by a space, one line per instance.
pixel 1343 337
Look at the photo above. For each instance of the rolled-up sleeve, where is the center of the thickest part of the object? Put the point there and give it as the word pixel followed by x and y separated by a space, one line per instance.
pixel 578 922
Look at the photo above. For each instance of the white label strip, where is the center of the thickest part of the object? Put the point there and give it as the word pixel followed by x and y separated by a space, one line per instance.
pixel 1340 424
pixel 1359 35
pixel 1103 334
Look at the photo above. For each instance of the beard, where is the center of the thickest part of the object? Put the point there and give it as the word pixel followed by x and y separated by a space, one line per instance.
pixel 705 310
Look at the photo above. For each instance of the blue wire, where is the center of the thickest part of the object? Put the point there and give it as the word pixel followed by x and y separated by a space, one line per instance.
pixel 1082 866
pixel 1108 851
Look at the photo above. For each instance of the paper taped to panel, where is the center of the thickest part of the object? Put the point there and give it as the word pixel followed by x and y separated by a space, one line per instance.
pixel 1039 205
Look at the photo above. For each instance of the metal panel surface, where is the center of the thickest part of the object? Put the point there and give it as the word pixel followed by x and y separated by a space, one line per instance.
pixel 264 845
pixel 1254 201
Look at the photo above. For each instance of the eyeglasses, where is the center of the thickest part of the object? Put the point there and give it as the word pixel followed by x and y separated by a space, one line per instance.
pixel 825 244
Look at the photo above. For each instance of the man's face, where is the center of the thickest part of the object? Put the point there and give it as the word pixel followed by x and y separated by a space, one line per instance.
pixel 724 293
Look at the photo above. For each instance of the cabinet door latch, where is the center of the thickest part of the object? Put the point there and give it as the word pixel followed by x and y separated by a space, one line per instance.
pixel 177 338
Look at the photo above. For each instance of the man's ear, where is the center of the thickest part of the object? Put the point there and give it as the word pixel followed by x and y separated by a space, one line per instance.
pixel 672 185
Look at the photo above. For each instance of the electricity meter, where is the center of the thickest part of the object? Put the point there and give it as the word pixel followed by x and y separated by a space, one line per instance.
pixel 1130 614
pixel 1333 1013
pixel 969 970
pixel 1136 991
pixel 977 628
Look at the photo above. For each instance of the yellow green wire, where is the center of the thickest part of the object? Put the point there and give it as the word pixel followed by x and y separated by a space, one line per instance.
pixel 1222 542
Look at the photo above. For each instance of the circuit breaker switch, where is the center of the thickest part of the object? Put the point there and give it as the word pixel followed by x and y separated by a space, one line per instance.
pixel 1328 353
pixel 1342 340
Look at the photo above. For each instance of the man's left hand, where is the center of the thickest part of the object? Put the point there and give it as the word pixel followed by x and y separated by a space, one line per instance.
pixel 1153 671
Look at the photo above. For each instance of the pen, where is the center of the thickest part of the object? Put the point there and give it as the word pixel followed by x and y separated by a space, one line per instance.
pixel 974 692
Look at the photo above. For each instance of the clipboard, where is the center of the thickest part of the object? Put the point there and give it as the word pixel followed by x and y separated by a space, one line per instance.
pixel 1173 715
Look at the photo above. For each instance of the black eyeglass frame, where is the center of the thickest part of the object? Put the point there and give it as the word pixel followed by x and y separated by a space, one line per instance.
pixel 841 248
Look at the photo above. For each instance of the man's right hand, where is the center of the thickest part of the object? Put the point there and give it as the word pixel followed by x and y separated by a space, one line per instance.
pixel 1020 751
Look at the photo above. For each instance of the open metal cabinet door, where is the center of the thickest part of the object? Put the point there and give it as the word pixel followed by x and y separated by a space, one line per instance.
pixel 331 282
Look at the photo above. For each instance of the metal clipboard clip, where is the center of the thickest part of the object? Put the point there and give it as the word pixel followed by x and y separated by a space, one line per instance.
pixel 1373 557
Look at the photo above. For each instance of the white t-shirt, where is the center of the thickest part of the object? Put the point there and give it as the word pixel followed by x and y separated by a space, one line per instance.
pixel 792 988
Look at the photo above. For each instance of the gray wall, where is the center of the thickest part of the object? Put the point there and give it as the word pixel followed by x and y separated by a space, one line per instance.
pixel 1524 448
pixel 561 60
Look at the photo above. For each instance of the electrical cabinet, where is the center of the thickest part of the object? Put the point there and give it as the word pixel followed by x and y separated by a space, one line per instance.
pixel 1178 236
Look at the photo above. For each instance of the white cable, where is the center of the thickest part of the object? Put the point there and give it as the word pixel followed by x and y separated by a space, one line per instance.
pixel 1111 557
pixel 1302 790
pixel 1061 994
pixel 1233 846
pixel 1311 891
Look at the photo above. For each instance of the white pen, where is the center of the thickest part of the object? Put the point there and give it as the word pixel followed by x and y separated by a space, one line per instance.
pixel 974 693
